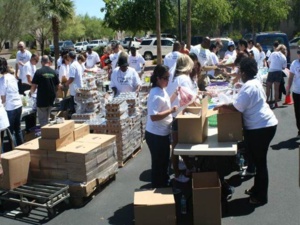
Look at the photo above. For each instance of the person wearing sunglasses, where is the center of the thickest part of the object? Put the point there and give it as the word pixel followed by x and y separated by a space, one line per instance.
pixel 23 56
pixel 158 125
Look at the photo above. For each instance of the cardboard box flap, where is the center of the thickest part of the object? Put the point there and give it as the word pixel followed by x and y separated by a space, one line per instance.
pixel 79 147
pixel 211 112
pixel 160 196
pixel 14 154
pixel 194 111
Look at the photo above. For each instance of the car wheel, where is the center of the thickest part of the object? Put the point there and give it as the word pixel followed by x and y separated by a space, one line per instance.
pixel 148 56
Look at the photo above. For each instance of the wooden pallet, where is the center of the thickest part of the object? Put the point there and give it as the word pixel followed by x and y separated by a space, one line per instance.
pixel 80 194
pixel 132 155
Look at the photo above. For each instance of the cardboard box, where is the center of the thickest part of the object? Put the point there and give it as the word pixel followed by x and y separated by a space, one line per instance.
pixel 103 139
pixel 32 145
pixel 15 165
pixel 81 152
pixel 230 126
pixel 56 131
pixel 193 128
pixel 155 206
pixel 206 199
pixel 81 130
pixel 55 144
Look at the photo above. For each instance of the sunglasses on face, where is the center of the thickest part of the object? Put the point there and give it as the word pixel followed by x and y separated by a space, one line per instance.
pixel 20 46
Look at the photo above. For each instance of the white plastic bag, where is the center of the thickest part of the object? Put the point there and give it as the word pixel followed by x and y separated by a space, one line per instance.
pixel 186 96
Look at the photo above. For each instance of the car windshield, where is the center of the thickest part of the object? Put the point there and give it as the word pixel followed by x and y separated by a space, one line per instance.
pixel 267 41
pixel 60 43
pixel 78 44
pixel 94 42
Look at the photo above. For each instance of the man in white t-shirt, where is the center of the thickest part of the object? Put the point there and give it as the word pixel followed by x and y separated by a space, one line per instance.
pixel 124 78
pixel 92 58
pixel 75 77
pixel 294 80
pixel 171 59
pixel 255 51
pixel 23 56
pixel 214 59
pixel 136 61
pixel 115 54
pixel 29 70
pixel 202 52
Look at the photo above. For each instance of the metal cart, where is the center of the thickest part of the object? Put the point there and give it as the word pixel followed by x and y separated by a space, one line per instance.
pixel 37 195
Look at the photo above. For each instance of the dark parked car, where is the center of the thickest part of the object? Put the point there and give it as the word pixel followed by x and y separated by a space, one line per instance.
pixel 68 46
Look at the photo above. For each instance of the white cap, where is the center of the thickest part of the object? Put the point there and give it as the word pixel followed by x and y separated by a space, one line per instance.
pixel 230 43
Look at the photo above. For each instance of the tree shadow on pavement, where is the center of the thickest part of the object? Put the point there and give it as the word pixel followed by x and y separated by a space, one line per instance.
pixel 238 207
pixel 290 144
pixel 123 216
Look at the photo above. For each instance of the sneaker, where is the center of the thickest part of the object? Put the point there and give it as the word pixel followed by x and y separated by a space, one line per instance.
pixel 245 173
pixel 248 192
pixel 182 179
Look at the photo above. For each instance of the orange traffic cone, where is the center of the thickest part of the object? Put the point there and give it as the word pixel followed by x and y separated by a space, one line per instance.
pixel 288 100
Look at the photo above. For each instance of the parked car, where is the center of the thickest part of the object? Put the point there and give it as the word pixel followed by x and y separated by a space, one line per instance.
pixel 81 46
pixel 225 41
pixel 67 46
pixel 294 42
pixel 165 35
pixel 60 44
pixel 134 42
pixel 149 47
pixel 266 40
pixel 96 43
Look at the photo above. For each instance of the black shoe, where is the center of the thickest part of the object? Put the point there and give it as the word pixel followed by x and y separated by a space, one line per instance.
pixel 248 192
pixel 255 201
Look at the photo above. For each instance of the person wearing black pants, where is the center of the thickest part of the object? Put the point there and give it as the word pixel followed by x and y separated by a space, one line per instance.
pixel 158 126
pixel 294 86
pixel 260 126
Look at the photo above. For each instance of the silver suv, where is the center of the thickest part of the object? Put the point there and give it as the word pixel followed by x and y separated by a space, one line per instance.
pixel 148 47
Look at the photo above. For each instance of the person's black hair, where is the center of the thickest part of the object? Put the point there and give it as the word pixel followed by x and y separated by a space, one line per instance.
pixel 276 44
pixel 158 72
pixel 212 46
pixel 251 42
pixel 240 56
pixel 193 56
pixel 243 42
pixel 3 65
pixel 248 66
pixel 34 55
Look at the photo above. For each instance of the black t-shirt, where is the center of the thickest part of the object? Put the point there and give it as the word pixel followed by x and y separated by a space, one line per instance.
pixel 46 80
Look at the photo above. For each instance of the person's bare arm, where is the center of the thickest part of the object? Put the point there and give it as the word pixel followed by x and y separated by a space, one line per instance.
pixel 164 114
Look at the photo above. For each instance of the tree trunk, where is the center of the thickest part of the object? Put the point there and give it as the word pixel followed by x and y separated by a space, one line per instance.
pixel 159 56
pixel 189 24
pixel 55 29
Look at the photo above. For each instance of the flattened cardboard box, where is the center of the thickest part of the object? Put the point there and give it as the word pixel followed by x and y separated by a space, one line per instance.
pixel 55 144
pixel 156 206
pixel 230 126
pixel 15 165
pixel 32 145
pixel 103 139
pixel 192 128
pixel 206 198
pixel 56 131
pixel 80 130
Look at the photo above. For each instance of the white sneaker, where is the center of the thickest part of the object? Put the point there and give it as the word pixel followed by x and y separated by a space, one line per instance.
pixel 182 179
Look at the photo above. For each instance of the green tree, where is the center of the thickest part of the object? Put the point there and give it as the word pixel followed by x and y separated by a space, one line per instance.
pixel 72 29
pixel 56 11
pixel 295 13
pixel 260 14
pixel 16 17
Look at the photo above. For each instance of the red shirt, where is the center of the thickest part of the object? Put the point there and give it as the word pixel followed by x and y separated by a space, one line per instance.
pixel 102 60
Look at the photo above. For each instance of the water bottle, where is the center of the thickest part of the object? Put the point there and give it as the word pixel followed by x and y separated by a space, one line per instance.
pixel 242 162
pixel 183 205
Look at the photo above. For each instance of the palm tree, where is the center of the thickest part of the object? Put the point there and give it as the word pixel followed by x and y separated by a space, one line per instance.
pixel 159 56
pixel 56 10
pixel 189 25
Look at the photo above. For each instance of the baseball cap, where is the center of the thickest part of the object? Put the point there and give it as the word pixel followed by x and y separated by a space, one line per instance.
pixel 122 61
pixel 88 48
pixel 298 52
pixel 72 54
pixel 230 43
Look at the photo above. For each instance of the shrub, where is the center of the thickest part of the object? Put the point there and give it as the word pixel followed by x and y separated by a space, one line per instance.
pixel 235 35
pixel 47 51
pixel 154 62
pixel 13 54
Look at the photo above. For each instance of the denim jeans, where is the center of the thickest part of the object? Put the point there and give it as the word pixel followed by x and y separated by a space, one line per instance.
pixel 14 117
pixel 258 141
pixel 159 147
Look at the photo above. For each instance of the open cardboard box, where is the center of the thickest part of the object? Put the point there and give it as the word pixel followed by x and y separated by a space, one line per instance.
pixel 192 124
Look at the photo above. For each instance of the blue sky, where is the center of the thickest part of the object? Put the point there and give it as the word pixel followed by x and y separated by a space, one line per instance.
pixel 91 7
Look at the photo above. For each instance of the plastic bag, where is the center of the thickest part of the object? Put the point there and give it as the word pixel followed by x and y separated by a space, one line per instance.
pixel 186 95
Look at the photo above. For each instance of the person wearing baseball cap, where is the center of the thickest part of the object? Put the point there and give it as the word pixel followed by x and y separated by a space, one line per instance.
pixel 114 56
pixel 124 78
pixel 294 87
pixel 230 53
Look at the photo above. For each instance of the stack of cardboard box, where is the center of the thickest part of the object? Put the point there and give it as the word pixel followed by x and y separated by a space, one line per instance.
pixel 67 151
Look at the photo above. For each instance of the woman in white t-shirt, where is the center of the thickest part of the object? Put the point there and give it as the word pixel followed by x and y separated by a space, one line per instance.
pixel 159 120
pixel 277 62
pixel 262 56
pixel 9 92
pixel 184 67
pixel 260 126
